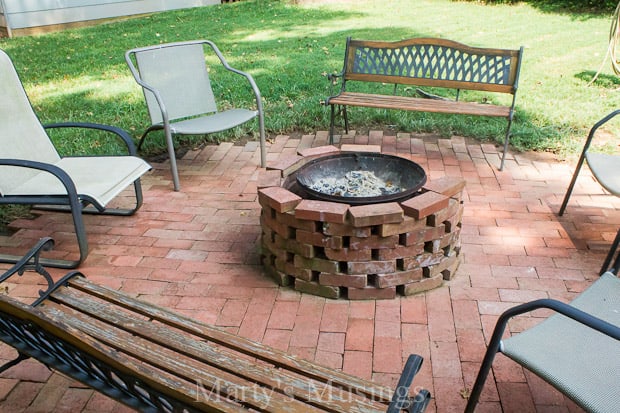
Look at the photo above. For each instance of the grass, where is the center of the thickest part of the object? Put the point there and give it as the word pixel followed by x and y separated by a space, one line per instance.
pixel 81 74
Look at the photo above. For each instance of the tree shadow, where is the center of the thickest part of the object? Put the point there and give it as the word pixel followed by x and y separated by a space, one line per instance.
pixel 576 10
pixel 603 80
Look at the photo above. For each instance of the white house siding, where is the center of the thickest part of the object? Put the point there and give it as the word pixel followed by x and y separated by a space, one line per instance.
pixel 21 15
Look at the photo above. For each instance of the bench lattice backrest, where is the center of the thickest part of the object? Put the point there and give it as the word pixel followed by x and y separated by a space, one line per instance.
pixel 432 62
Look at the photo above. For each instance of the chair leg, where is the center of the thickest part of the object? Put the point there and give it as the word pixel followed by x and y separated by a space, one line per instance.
pixel 82 240
pixel 263 150
pixel 331 124
pixel 487 361
pixel 569 191
pixel 146 132
pixel 610 257
pixel 346 119
pixel 173 160
pixel 506 139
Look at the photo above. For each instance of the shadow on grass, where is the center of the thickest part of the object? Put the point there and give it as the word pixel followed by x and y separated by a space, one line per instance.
pixel 602 80
pixel 576 9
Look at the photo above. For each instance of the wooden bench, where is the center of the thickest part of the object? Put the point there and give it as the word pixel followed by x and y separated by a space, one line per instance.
pixel 426 62
pixel 152 359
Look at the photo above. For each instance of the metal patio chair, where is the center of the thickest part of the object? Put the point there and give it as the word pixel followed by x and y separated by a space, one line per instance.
pixel 605 167
pixel 177 88
pixel 33 173
pixel 577 350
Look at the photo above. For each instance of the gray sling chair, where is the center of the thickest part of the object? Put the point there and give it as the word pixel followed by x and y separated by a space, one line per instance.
pixel 577 350
pixel 33 173
pixel 605 168
pixel 177 88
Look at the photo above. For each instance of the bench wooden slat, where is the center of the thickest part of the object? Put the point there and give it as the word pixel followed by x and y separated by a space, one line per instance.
pixel 154 360
pixel 88 345
pixel 160 363
pixel 276 357
pixel 196 354
pixel 419 104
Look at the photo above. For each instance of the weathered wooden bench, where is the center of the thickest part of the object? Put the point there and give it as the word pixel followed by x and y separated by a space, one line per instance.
pixel 152 359
pixel 426 62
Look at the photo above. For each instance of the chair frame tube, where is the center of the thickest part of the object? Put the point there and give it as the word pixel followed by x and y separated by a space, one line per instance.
pixel 582 158
pixel 164 113
pixel 496 339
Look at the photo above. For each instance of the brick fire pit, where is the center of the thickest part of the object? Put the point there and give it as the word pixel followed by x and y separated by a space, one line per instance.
pixel 373 251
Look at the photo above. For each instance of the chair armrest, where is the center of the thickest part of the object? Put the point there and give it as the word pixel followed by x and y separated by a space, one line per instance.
pixel 122 134
pixel 597 125
pixel 567 310
pixel 333 81
pixel 61 175
pixel 250 79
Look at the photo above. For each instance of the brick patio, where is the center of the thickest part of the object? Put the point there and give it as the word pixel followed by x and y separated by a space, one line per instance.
pixel 196 251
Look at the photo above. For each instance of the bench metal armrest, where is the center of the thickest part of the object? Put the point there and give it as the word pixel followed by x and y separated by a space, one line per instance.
pixel 120 133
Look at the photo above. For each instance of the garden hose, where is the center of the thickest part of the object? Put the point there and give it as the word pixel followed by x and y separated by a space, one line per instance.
pixel 614 38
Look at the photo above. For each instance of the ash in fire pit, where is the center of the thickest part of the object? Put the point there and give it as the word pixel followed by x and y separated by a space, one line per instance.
pixel 361 178
pixel 355 183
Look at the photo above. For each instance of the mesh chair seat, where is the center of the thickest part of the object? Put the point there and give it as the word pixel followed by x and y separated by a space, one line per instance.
pixel 216 122
pixel 604 166
pixel 85 172
pixel 575 359
pixel 606 170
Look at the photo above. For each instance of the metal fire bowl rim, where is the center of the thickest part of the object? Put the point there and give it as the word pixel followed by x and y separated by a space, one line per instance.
pixel 406 166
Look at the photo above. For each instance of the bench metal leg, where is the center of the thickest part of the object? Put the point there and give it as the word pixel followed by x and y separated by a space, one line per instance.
pixel 506 139
pixel 331 124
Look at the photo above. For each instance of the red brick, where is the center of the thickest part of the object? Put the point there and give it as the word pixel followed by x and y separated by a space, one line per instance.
pixel 346 254
pixel 315 288
pixel 376 214
pixel 343 280
pixel 360 335
pixel 318 239
pixel 267 222
pixel 399 252
pixel 422 260
pixel 288 218
pixel 446 185
pixel 423 205
pixel 267 178
pixel 321 211
pixel 318 151
pixel 373 242
pixel 371 293
pixel 345 230
pixel 371 267
pixel 444 264
pixel 287 165
pixel 278 198
pixel 439 217
pixel 414 237
pixel 295 247
pixel 408 224
pixel 350 147
pixel 317 264
pixel 398 278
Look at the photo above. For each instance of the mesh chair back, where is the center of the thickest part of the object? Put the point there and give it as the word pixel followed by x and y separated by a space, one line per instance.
pixel 180 75
pixel 21 133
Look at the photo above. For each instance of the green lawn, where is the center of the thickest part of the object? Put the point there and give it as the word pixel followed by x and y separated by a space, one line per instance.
pixel 81 74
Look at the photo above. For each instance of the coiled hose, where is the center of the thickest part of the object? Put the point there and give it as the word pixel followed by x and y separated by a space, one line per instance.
pixel 614 38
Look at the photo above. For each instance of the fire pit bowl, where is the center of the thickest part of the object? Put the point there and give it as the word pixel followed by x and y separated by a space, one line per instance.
pixel 361 178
